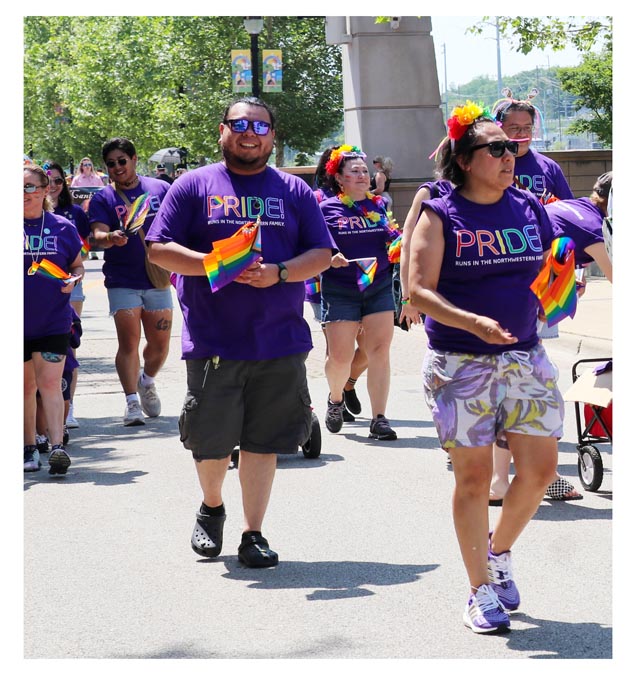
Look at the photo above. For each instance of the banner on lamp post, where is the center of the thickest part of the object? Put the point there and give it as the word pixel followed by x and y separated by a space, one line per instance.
pixel 272 70
pixel 241 71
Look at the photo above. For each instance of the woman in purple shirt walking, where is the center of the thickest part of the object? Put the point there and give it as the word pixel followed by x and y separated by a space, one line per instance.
pixel 474 254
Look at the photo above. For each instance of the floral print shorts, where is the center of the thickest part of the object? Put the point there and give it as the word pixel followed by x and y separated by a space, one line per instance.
pixel 476 398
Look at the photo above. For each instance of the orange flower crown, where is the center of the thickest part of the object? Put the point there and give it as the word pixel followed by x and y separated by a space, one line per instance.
pixel 461 118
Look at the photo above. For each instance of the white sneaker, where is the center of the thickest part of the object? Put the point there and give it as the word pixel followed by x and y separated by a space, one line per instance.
pixel 71 422
pixel 150 402
pixel 133 417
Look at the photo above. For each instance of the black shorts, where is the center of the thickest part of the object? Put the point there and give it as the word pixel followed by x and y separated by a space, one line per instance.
pixel 55 344
pixel 259 406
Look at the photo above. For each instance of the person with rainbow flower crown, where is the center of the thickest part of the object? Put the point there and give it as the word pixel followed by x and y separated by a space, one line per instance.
pixel 356 291
pixel 474 255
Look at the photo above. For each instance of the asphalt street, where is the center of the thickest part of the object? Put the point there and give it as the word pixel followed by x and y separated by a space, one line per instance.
pixel 370 567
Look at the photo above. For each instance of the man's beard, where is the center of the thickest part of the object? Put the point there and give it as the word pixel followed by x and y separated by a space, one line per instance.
pixel 252 164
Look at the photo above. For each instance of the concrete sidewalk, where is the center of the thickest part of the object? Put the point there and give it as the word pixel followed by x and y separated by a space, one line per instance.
pixel 370 566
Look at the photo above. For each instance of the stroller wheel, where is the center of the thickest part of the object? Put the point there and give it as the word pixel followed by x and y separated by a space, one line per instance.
pixel 312 446
pixel 590 468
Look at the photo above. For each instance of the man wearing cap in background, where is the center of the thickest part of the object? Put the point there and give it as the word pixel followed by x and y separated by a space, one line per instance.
pixel 162 174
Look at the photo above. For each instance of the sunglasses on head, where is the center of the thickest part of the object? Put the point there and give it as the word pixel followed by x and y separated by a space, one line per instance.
pixel 240 126
pixel 29 188
pixel 122 161
pixel 57 181
pixel 496 149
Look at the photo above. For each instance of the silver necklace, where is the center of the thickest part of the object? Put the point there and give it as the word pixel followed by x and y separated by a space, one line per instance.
pixel 34 259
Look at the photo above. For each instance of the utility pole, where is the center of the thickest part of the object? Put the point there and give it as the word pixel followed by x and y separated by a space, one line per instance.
pixel 499 82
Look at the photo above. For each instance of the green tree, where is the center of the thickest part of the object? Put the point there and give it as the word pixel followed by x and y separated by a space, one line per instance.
pixel 165 81
pixel 591 84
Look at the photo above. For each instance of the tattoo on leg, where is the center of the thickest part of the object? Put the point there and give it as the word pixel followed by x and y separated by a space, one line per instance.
pixel 52 358
pixel 164 324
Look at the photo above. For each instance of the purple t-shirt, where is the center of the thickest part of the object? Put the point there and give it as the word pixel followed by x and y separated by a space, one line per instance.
pixel 47 311
pixel 124 266
pixel 355 237
pixel 436 188
pixel 542 176
pixel 77 216
pixel 241 322
pixel 493 252
pixel 579 219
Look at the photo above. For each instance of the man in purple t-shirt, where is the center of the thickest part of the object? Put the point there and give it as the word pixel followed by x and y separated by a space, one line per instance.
pixel 533 171
pixel 244 345
pixel 134 300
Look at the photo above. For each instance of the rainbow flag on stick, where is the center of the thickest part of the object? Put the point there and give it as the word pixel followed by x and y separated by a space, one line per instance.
pixel 395 249
pixel 366 271
pixel 555 285
pixel 312 286
pixel 137 213
pixel 49 269
pixel 230 256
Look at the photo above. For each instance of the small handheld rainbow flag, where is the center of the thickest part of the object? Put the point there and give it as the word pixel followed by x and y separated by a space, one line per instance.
pixel 230 256
pixel 555 285
pixel 312 286
pixel 49 269
pixel 137 213
pixel 366 271
pixel 395 249
pixel 86 247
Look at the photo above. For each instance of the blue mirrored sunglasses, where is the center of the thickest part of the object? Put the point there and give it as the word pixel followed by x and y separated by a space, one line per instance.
pixel 240 126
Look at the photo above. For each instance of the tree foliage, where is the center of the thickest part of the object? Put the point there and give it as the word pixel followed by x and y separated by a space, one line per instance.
pixel 591 84
pixel 550 32
pixel 164 81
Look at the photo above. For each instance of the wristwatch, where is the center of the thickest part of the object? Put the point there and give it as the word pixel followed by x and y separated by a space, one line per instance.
pixel 283 273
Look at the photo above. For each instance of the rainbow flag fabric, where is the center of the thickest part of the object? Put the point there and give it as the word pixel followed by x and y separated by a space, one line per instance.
pixel 395 249
pixel 366 271
pixel 137 213
pixel 50 270
pixel 312 286
pixel 555 285
pixel 230 256
pixel 86 247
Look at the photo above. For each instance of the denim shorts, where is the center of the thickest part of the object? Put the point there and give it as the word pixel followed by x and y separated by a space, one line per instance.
pixel 262 407
pixel 476 398
pixel 151 299
pixel 77 294
pixel 344 303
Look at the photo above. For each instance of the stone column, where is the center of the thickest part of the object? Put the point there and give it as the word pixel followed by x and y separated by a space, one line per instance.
pixel 391 96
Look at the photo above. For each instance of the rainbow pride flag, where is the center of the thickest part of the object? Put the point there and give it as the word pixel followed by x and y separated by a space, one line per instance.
pixel 366 271
pixel 312 286
pixel 137 213
pixel 50 270
pixel 231 256
pixel 555 285
pixel 86 247
pixel 395 249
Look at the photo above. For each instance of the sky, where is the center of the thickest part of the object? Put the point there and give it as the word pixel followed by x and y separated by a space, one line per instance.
pixel 482 50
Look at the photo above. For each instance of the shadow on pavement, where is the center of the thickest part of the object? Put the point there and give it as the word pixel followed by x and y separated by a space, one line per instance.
pixel 326 580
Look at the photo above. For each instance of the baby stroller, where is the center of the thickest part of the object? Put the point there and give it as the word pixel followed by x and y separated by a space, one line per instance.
pixel 311 447
pixel 592 391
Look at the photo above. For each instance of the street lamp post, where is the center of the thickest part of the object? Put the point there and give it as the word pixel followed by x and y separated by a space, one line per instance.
pixel 254 25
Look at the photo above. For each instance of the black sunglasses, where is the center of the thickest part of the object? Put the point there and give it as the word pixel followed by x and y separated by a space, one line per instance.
pixel 57 181
pixel 496 149
pixel 240 126
pixel 122 161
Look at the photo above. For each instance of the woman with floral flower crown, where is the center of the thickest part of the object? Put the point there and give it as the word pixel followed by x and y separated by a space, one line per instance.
pixel 474 254
pixel 356 291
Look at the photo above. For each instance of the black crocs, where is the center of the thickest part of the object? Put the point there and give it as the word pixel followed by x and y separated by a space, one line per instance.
pixel 254 551
pixel 207 537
